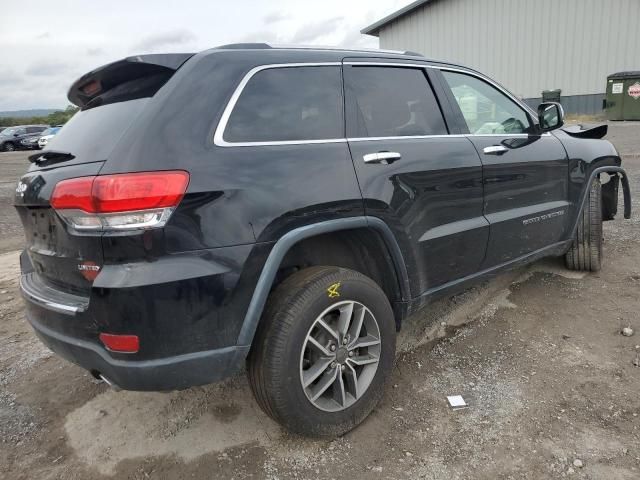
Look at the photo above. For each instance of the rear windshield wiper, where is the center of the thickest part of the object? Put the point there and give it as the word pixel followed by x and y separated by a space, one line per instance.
pixel 50 156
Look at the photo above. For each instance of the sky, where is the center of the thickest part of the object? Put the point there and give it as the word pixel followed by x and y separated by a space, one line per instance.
pixel 47 45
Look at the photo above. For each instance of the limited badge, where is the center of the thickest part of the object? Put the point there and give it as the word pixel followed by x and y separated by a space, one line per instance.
pixel 333 291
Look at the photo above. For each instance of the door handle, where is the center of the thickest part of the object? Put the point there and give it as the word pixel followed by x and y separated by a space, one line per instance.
pixel 495 150
pixel 381 157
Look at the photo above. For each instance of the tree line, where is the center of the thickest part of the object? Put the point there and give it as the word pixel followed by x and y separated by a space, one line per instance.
pixel 59 117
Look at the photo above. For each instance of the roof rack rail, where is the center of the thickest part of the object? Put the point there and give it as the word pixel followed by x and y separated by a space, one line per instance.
pixel 347 49
pixel 265 46
pixel 244 46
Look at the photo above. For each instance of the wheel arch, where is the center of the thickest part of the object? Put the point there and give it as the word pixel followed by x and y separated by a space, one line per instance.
pixel 626 190
pixel 286 244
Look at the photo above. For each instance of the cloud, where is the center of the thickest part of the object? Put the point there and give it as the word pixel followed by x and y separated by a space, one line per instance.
pixel 173 37
pixel 9 79
pixel 275 17
pixel 46 69
pixel 44 36
pixel 354 39
pixel 95 51
pixel 260 36
pixel 313 32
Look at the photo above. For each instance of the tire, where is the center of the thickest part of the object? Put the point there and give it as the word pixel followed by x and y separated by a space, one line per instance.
pixel 9 147
pixel 283 356
pixel 586 252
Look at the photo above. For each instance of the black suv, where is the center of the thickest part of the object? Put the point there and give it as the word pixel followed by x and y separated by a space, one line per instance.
pixel 289 208
pixel 12 138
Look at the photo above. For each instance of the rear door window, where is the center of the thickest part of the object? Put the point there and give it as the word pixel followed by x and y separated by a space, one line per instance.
pixel 391 102
pixel 288 104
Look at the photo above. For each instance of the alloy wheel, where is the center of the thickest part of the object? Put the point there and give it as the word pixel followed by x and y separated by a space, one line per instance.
pixel 340 356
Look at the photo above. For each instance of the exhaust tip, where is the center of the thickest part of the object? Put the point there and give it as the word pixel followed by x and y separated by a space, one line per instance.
pixel 101 377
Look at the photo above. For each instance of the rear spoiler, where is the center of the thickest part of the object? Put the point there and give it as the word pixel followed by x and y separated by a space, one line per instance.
pixel 98 82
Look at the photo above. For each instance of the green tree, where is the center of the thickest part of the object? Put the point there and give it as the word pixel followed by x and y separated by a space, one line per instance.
pixel 59 117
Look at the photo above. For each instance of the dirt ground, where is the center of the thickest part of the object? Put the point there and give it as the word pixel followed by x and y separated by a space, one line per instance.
pixel 551 385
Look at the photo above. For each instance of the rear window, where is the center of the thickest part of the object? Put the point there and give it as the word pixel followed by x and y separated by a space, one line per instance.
pixel 92 134
pixel 288 104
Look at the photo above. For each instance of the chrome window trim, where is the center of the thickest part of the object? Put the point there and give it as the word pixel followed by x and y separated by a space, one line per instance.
pixel 497 86
pixel 453 135
pixel 408 137
pixel 389 64
pixel 218 136
pixel 478 75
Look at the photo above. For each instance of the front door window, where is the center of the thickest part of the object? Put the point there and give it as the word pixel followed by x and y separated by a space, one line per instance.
pixel 486 110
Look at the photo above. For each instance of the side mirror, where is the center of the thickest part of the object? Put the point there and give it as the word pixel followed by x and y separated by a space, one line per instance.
pixel 550 116
pixel 16 135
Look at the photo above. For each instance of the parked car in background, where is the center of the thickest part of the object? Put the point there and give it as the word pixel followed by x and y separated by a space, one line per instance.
pixel 30 141
pixel 47 135
pixel 11 138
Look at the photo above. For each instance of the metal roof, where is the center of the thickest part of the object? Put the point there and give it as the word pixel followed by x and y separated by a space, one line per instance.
pixel 374 28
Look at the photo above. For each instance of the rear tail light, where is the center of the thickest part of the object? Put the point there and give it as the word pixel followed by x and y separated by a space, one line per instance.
pixel 120 343
pixel 127 201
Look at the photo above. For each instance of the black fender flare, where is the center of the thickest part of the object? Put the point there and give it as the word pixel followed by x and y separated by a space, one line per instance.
pixel 626 191
pixel 284 244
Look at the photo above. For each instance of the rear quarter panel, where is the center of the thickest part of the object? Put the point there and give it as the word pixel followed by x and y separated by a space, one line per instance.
pixel 236 195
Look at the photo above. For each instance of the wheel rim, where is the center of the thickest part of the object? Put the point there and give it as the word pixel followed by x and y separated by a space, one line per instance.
pixel 9 147
pixel 340 356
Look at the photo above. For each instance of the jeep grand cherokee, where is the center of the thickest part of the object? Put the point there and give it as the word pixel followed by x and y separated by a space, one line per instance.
pixel 288 208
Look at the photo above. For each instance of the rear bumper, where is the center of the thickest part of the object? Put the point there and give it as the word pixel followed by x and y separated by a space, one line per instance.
pixel 186 309
pixel 170 373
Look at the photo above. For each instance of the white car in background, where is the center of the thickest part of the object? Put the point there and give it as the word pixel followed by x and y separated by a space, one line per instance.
pixel 47 135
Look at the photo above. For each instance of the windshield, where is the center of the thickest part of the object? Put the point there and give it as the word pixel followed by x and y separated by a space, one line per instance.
pixel 9 131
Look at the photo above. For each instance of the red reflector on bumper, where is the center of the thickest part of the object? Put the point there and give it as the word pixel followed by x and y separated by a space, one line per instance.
pixel 120 343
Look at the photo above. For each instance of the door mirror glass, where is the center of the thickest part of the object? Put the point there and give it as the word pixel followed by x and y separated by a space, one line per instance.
pixel 550 116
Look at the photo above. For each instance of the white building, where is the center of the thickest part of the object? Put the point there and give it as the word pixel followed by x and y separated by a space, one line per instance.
pixel 527 45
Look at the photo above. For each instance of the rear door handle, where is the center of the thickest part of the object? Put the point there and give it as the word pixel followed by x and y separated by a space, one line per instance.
pixel 381 157
pixel 495 150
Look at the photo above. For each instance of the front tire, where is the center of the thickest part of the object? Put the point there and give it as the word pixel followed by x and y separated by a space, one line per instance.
pixel 586 252
pixel 323 351
pixel 9 147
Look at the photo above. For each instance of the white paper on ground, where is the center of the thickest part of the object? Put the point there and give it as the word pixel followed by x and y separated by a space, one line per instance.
pixel 456 401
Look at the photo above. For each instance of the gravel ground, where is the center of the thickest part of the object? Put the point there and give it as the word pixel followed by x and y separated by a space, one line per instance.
pixel 12 165
pixel 537 353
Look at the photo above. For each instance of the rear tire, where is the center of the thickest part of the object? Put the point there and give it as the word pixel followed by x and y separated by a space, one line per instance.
pixel 586 252
pixel 323 351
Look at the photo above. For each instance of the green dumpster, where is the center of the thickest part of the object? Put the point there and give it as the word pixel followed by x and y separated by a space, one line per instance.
pixel 551 95
pixel 622 100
